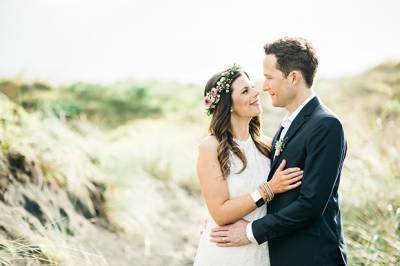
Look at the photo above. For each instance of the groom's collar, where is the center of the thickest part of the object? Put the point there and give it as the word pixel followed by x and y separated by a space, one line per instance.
pixel 288 119
pixel 296 124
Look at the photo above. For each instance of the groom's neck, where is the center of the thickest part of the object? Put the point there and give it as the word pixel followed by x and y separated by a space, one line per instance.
pixel 300 97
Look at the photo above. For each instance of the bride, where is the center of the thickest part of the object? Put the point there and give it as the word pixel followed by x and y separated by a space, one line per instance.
pixel 233 166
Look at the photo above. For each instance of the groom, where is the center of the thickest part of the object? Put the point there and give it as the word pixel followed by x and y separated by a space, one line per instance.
pixel 303 226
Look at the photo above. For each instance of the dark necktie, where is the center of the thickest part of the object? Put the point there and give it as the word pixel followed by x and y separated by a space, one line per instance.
pixel 279 133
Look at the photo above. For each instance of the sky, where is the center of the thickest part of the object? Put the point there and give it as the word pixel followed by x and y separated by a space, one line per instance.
pixel 106 41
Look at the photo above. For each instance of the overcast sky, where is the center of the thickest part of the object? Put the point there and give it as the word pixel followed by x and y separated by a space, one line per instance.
pixel 111 40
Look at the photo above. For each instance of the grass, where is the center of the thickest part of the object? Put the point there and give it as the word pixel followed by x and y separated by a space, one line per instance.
pixel 39 162
pixel 107 106
pixel 48 245
pixel 143 136
pixel 370 201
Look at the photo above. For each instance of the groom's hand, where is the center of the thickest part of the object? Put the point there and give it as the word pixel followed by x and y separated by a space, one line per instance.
pixel 232 235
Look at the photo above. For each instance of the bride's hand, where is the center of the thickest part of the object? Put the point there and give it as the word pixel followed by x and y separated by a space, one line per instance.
pixel 284 180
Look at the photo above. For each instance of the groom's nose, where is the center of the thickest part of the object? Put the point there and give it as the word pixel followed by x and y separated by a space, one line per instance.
pixel 266 86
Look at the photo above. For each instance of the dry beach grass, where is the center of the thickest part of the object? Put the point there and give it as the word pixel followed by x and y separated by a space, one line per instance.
pixel 105 175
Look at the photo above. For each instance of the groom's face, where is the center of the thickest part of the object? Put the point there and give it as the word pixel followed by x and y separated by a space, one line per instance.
pixel 275 83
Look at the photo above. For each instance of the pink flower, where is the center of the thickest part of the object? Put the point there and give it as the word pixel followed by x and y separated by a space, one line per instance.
pixel 207 101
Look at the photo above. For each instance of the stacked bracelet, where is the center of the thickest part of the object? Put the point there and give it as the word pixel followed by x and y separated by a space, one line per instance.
pixel 266 192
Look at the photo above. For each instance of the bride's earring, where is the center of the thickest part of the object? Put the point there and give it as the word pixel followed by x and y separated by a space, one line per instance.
pixel 231 110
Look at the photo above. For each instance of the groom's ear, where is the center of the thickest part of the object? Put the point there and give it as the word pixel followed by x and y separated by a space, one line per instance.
pixel 295 77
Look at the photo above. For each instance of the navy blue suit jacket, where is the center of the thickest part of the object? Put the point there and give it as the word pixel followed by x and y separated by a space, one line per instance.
pixel 303 226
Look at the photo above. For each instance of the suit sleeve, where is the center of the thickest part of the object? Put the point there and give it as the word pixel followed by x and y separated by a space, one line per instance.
pixel 326 149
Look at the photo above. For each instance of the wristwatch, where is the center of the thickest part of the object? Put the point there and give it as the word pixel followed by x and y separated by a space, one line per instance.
pixel 258 199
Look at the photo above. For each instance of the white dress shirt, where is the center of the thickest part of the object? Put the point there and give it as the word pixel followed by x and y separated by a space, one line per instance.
pixel 286 122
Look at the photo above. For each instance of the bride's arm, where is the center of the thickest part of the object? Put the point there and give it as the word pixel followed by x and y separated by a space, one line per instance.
pixel 215 188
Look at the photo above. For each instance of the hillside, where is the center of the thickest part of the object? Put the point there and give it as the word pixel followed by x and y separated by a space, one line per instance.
pixel 60 208
pixel 105 175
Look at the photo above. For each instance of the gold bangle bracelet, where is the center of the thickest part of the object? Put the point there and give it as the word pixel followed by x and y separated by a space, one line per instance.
pixel 261 193
pixel 268 191
pixel 264 193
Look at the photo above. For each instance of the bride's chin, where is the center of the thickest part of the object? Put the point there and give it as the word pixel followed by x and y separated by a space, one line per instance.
pixel 257 113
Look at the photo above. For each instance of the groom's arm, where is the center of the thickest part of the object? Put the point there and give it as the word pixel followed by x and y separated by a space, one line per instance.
pixel 325 149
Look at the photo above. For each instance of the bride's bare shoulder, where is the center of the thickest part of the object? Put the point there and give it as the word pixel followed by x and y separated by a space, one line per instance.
pixel 266 139
pixel 208 144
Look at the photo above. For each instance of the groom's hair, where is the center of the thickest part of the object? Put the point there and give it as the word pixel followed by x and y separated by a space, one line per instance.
pixel 294 54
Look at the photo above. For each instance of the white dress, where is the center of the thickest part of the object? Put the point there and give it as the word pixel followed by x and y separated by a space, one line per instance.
pixel 256 172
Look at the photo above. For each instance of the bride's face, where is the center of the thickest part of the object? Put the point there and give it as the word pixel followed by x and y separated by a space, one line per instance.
pixel 245 98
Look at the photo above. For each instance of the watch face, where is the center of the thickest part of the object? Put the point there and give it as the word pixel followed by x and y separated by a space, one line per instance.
pixel 260 202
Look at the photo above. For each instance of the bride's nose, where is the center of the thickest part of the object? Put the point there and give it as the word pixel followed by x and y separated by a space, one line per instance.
pixel 256 92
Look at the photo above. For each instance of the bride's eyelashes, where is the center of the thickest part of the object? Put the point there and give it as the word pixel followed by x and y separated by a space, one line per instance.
pixel 246 90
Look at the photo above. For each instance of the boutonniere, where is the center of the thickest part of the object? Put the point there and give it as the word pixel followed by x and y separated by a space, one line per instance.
pixel 279 146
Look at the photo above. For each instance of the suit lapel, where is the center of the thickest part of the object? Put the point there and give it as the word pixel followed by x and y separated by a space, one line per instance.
pixel 298 122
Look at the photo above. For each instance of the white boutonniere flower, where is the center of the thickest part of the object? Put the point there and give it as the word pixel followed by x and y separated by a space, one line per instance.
pixel 279 146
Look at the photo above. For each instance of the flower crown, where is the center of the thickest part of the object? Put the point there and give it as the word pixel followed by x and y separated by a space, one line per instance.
pixel 223 85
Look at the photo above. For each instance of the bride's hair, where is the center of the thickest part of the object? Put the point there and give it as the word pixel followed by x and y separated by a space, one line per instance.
pixel 221 128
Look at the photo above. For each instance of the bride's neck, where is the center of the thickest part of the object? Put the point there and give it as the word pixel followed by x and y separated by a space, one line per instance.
pixel 240 127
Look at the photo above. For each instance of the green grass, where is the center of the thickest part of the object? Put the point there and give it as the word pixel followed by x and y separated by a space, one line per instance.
pixel 144 136
pixel 106 105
